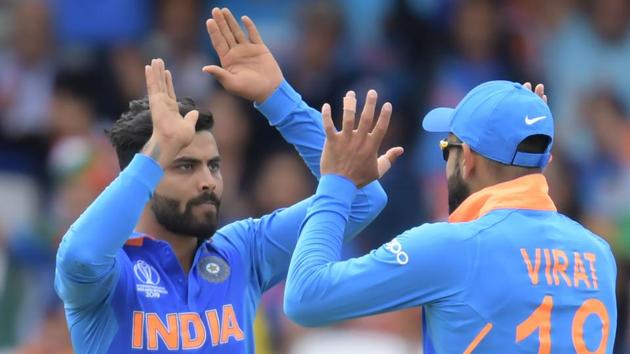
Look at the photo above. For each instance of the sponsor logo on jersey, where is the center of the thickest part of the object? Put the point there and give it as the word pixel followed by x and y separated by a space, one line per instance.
pixel 149 280
pixel 213 269
pixel 395 247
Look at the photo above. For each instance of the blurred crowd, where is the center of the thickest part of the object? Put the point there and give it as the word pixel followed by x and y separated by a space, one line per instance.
pixel 69 67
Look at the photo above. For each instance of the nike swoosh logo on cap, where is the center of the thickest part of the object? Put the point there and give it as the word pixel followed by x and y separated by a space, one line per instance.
pixel 530 121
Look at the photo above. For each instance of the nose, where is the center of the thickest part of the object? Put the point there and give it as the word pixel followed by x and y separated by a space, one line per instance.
pixel 207 181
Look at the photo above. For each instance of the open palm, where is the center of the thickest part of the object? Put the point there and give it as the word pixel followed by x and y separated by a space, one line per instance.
pixel 171 131
pixel 247 67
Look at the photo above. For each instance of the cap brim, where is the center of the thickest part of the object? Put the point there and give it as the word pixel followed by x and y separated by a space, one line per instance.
pixel 438 120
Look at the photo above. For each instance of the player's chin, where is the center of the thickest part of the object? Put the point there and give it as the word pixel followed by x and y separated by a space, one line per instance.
pixel 206 217
pixel 203 228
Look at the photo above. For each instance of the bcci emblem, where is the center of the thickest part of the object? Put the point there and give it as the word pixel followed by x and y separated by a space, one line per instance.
pixel 214 269
pixel 149 280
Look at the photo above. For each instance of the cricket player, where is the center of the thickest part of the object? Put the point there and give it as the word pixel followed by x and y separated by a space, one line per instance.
pixel 506 274
pixel 144 269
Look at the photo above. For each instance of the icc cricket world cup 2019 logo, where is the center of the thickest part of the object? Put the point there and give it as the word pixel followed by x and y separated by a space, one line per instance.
pixel 149 279
pixel 146 273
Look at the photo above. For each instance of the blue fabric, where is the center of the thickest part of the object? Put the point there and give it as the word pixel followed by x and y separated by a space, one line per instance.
pixel 494 118
pixel 451 270
pixel 528 159
pixel 124 295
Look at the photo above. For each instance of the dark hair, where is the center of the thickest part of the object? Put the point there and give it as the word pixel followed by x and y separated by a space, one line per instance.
pixel 133 129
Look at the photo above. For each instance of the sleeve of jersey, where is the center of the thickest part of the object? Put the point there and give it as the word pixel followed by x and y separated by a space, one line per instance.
pixel 301 126
pixel 86 266
pixel 418 267
pixel 275 234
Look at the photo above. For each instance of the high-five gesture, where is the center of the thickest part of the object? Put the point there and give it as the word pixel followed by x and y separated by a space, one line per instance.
pixel 248 68
pixel 353 153
pixel 171 131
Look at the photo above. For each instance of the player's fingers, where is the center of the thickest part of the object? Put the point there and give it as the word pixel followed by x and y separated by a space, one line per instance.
pixel 386 160
pixel 170 89
pixel 349 112
pixel 218 72
pixel 380 129
pixel 219 17
pixel 164 76
pixel 252 31
pixel 216 37
pixel 528 85
pixel 158 69
pixel 367 115
pixel 540 90
pixel 329 126
pixel 156 76
pixel 234 26
pixel 149 77
pixel 192 117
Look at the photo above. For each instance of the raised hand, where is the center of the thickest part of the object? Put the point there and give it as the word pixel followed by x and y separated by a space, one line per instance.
pixel 247 67
pixel 353 153
pixel 539 90
pixel 171 131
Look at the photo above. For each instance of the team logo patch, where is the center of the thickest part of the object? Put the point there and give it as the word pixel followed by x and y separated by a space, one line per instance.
pixel 149 279
pixel 214 269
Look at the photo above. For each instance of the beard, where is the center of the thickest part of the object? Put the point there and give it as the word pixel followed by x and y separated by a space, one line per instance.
pixel 458 191
pixel 167 212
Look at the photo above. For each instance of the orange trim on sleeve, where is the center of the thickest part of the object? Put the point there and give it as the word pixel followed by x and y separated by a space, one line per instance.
pixel 482 334
pixel 529 192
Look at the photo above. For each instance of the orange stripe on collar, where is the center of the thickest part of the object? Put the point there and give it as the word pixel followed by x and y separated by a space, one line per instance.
pixel 137 241
pixel 529 192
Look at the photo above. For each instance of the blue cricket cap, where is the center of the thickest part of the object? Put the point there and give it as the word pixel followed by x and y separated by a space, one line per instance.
pixel 493 119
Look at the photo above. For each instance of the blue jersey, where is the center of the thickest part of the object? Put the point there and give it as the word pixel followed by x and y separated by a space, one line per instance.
pixel 126 292
pixel 507 274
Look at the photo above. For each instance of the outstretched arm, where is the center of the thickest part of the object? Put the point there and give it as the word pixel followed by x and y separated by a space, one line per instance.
pixel 420 266
pixel 249 70
pixel 319 287
pixel 270 240
pixel 87 268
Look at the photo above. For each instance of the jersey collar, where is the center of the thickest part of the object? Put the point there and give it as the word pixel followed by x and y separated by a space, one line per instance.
pixel 529 192
pixel 137 239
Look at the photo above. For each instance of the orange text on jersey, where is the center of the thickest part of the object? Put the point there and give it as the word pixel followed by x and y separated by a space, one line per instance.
pixel 185 330
pixel 575 269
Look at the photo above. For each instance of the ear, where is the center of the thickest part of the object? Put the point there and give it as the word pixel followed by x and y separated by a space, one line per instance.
pixel 548 163
pixel 468 162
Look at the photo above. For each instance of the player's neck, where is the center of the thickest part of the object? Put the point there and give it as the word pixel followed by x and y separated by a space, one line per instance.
pixel 183 246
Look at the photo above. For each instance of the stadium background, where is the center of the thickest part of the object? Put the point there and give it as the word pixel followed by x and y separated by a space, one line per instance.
pixel 68 67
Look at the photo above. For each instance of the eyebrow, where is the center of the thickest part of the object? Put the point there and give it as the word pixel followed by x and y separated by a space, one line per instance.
pixel 192 160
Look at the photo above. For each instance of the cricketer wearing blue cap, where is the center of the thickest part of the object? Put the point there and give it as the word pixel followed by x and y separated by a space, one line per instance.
pixel 144 269
pixel 506 274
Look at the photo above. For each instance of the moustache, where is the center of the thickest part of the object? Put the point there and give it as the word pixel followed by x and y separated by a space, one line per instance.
pixel 206 198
